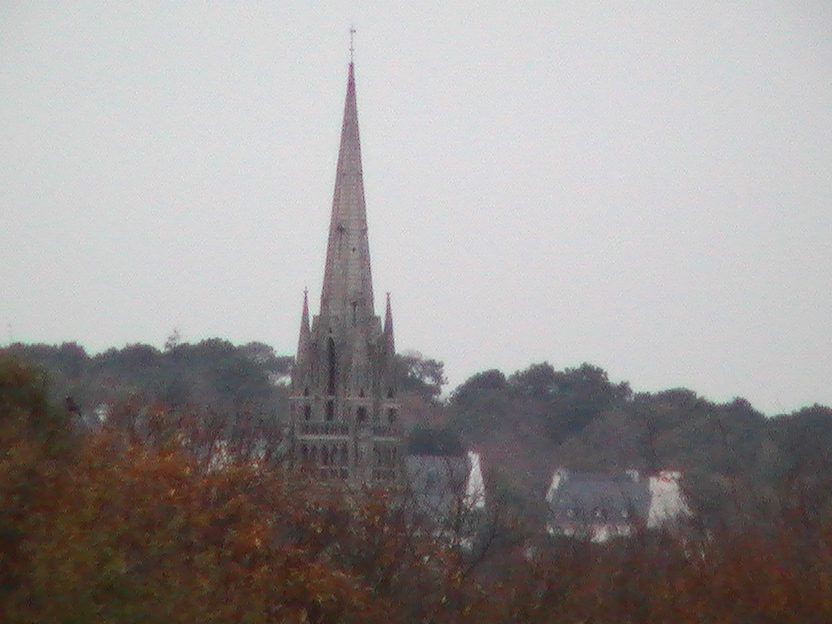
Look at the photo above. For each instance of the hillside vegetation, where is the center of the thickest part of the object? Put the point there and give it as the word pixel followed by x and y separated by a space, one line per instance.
pixel 126 524
pixel 738 465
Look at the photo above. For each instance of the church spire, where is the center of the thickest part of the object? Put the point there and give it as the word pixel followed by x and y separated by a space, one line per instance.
pixel 344 412
pixel 348 288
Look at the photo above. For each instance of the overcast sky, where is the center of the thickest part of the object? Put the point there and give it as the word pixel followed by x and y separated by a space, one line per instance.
pixel 646 186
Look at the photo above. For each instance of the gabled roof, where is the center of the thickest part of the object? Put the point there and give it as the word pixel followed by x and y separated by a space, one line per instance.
pixel 436 482
pixel 598 497
pixel 603 505
pixel 443 486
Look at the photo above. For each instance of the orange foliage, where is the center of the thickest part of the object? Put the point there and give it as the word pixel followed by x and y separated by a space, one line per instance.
pixel 135 535
pixel 122 531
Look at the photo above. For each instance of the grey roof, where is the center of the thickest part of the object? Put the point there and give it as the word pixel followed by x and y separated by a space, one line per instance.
pixel 437 483
pixel 599 498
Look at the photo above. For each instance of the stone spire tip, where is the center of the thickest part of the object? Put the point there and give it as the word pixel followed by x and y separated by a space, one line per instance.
pixel 348 284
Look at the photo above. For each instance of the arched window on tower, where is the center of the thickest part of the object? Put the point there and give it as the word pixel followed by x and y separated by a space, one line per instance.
pixel 307 412
pixel 330 357
pixel 361 415
pixel 330 410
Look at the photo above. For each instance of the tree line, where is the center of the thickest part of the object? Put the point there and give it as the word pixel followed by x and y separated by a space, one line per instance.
pixel 738 465
pixel 126 523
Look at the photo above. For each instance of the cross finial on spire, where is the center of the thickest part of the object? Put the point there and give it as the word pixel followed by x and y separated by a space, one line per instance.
pixel 352 42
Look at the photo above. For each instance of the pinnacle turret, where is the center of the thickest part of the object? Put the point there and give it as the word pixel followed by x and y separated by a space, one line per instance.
pixel 304 339
pixel 388 327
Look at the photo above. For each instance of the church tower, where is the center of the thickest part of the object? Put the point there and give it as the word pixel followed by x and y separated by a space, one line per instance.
pixel 345 418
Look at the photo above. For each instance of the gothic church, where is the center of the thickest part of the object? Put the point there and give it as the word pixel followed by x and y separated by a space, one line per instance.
pixel 344 413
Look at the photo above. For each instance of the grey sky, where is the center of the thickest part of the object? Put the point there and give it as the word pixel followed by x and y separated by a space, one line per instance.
pixel 646 186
